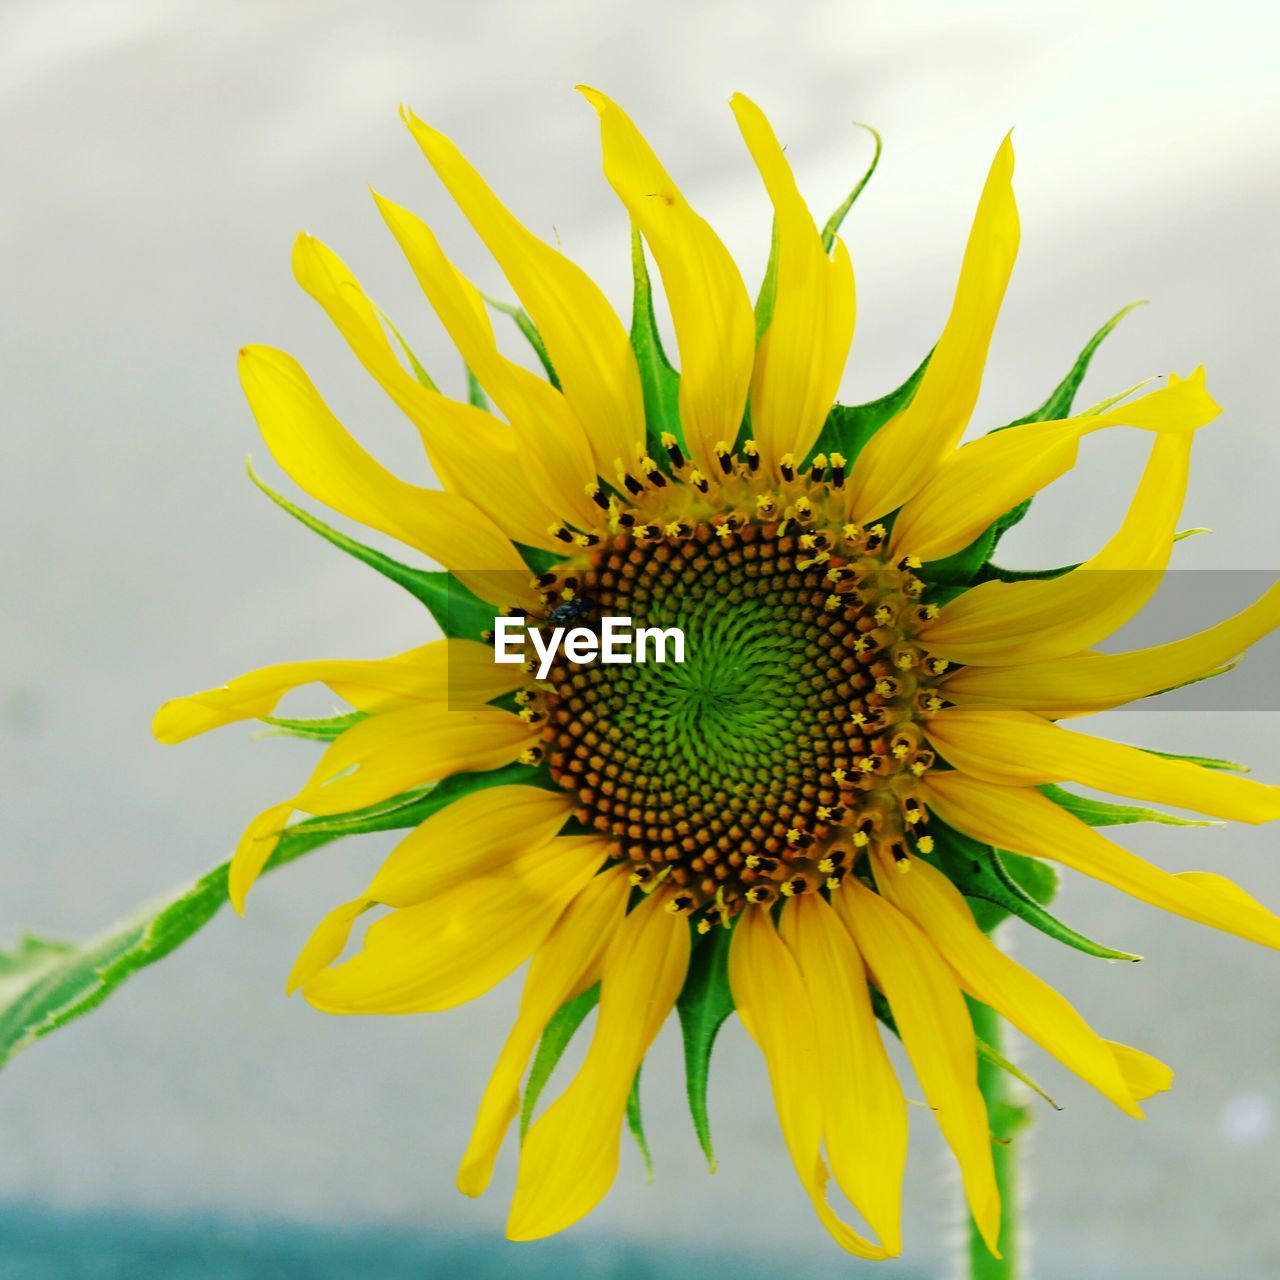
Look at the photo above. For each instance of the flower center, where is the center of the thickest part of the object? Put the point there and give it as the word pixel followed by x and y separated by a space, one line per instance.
pixel 787 739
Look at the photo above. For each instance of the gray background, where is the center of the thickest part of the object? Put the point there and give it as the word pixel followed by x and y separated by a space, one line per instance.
pixel 158 157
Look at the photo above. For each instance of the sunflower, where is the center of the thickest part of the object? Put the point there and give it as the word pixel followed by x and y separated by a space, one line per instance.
pixel 814 817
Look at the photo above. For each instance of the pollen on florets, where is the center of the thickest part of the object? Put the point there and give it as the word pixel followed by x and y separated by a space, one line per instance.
pixel 786 744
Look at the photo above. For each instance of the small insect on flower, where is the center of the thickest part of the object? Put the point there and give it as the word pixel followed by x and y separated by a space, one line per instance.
pixel 574 611
pixel 817 814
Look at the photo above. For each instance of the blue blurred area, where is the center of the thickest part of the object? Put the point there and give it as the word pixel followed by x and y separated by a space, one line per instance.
pixel 38 1243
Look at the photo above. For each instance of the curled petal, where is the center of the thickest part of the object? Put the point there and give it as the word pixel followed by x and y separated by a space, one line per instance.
pixel 570 1154
pixel 459 944
pixel 390 752
pixel 478 834
pixel 326 944
pixel 936 1031
pixel 774 1007
pixel 989 476
pixel 442 670
pixel 865 1119
pixel 378 758
pixel 715 328
pixel 566 963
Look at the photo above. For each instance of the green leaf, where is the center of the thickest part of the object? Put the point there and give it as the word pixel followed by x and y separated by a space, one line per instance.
pixel 995 573
pixel 848 427
pixel 458 611
pixel 880 1007
pixel 636 1124
pixel 1058 405
pixel 322 730
pixel 659 382
pixel 1037 878
pixel 1001 883
pixel 418 371
pixel 475 392
pixel 1100 813
pixel 1186 684
pixel 1063 396
pixel 538 560
pixel 704 1004
pixel 44 984
pixel 1205 762
pixel 947 577
pixel 555 1040
pixel 991 1055
pixel 833 223
pixel 768 286
pixel 531 334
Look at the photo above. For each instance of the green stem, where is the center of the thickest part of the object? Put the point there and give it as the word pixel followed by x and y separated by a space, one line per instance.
pixel 1008 1119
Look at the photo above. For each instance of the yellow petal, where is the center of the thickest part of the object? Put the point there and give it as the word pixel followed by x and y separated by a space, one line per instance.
pixel 326 944
pixel 775 1009
pixel 253 851
pixel 570 1154
pixel 1145 1075
pixel 928 898
pixel 549 438
pixel 475 835
pixel 394 750
pixel 565 964
pixel 473 453
pixel 1211 882
pixel 459 944
pixel 801 356
pixel 315 449
pixel 1082 683
pixel 991 475
pixel 902 455
pixel 587 344
pixel 865 1118
pixel 1023 820
pixel 933 1021
pixel 378 758
pixel 443 670
pixel 1021 748
pixel 714 323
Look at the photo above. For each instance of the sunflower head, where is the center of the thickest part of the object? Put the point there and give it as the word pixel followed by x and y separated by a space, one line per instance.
pixel 817 815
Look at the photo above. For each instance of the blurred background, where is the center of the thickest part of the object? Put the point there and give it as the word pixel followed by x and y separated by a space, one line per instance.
pixel 157 158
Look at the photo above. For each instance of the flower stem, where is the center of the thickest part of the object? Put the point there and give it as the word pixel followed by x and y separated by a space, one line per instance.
pixel 1008 1118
